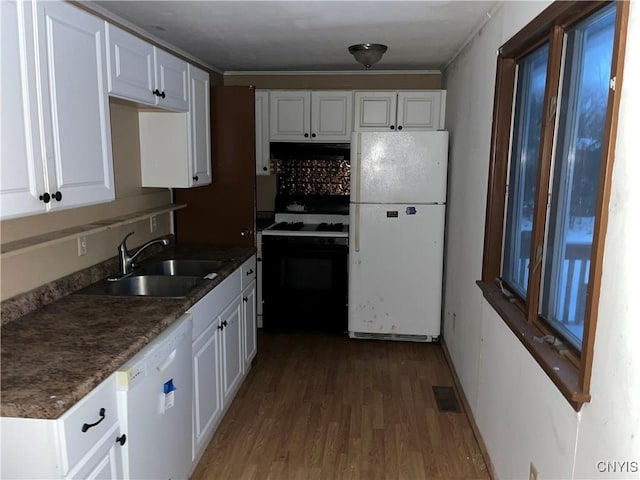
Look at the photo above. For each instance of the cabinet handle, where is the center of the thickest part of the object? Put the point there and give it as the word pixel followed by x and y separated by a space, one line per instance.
pixel 250 271
pixel 399 127
pixel 306 135
pixel 122 439
pixel 195 179
pixel 392 127
pixel 87 426
pixel 313 135
pixel 245 299
pixel 45 197
pixel 57 196
pixel 158 93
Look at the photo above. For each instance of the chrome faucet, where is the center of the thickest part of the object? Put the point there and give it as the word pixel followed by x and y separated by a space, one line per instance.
pixel 126 259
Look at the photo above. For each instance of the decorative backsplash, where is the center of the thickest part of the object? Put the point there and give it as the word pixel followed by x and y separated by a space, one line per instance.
pixel 312 176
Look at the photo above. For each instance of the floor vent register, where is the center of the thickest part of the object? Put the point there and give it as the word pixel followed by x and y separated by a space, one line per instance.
pixel 446 400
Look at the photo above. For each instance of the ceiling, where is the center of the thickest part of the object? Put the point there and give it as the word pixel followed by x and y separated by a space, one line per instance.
pixel 307 35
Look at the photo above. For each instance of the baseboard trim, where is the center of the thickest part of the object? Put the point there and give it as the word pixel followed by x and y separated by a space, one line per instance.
pixel 467 410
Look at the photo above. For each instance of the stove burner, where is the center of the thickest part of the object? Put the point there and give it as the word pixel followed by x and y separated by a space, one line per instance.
pixel 288 226
pixel 330 227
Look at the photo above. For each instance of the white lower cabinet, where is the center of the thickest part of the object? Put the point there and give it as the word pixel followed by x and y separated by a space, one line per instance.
pixel 84 443
pixel 220 342
pixel 232 356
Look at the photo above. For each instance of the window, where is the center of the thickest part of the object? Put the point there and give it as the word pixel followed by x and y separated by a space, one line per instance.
pixel 555 110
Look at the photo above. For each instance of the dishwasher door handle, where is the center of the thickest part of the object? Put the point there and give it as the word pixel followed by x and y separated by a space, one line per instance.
pixel 164 365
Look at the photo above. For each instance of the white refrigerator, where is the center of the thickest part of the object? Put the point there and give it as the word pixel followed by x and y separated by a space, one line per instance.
pixel 396 234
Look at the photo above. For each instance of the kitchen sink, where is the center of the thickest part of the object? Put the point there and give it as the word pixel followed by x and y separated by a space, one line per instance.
pixel 144 285
pixel 180 267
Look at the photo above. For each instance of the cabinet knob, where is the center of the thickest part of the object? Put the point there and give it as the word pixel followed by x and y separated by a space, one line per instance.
pixel 45 197
pixel 250 271
pixel 392 127
pixel 245 299
pixel 313 135
pixel 57 196
pixel 162 95
pixel 220 327
pixel 399 127
pixel 306 135
pixel 224 323
pixel 158 93
pixel 122 439
pixel 195 179
pixel 265 168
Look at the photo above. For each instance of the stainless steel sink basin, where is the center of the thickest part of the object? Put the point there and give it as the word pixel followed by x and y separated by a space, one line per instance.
pixel 179 267
pixel 144 285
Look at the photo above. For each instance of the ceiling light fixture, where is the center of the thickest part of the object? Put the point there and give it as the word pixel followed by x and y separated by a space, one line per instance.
pixel 367 53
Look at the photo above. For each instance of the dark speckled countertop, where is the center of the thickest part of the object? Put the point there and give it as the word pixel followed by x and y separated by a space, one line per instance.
pixel 54 355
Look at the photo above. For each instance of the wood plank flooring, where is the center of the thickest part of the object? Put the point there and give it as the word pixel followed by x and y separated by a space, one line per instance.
pixel 327 407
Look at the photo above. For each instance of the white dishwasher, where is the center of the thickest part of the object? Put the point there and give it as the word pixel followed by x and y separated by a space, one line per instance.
pixel 154 405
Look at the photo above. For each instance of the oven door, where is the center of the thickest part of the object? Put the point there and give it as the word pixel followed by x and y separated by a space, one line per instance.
pixel 304 283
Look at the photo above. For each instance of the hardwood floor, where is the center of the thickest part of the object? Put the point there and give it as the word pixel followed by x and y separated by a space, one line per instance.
pixel 327 407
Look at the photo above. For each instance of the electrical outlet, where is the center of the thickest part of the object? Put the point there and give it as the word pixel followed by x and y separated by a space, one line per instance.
pixel 82 246
pixel 153 223
pixel 533 473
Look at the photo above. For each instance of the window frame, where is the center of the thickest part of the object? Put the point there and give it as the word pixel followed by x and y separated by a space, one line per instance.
pixel 570 373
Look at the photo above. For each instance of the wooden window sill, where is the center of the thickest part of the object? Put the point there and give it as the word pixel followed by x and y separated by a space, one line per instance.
pixel 564 374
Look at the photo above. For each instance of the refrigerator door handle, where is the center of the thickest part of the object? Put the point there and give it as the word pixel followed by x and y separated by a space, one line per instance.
pixel 357 220
pixel 358 167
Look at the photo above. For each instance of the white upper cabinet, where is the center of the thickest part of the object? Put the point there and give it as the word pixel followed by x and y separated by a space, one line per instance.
pixel 322 116
pixel 262 132
pixel 175 148
pixel 60 117
pixel 21 177
pixel 200 125
pixel 140 72
pixel 401 110
pixel 171 81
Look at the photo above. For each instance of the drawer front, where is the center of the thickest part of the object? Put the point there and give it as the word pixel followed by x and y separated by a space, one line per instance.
pixel 248 270
pixel 88 415
pixel 209 307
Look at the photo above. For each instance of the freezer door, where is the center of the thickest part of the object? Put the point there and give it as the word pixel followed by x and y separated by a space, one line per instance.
pixel 399 167
pixel 395 269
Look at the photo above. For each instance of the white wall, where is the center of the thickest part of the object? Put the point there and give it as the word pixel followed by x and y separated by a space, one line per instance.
pixel 521 415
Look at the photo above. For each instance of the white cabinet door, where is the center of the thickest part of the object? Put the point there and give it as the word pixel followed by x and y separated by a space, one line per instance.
pixel 249 332
pixel 262 132
pixel 75 105
pixel 332 116
pixel 207 399
pixel 200 126
pixel 105 460
pixel 172 81
pixel 232 360
pixel 420 110
pixel 131 66
pixel 375 111
pixel 290 115
pixel 21 172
